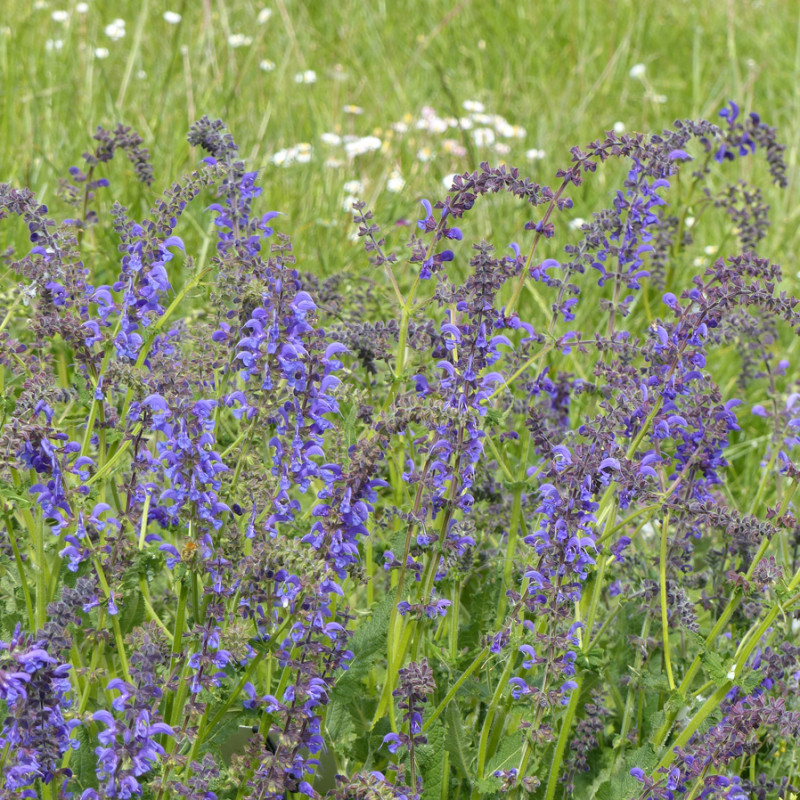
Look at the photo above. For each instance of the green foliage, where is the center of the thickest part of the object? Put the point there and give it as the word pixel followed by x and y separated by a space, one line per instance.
pixel 392 59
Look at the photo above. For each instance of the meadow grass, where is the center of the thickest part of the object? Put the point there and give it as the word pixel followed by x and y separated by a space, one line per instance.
pixel 290 79
pixel 561 70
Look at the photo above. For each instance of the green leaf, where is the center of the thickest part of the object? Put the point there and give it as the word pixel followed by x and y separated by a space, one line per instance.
pixel 132 610
pixel 480 597
pixel 461 751
pixel 506 757
pixel 368 644
pixel 350 436
pixel 83 761
pixel 340 726
pixel 594 660
pixel 429 758
pixel 13 498
pixel 715 668
pixel 620 783
pixel 228 737
pixel 655 681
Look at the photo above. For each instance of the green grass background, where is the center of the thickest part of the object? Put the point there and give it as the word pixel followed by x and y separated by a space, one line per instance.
pixel 560 69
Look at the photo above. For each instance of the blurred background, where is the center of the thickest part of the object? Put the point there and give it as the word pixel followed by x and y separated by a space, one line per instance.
pixel 383 100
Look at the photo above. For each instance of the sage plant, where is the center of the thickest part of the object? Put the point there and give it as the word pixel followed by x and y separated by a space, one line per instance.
pixel 496 487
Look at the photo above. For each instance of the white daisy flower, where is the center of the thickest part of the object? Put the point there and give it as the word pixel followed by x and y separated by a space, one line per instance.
pixel 239 40
pixel 535 155
pixel 483 136
pixel 395 183
pixel 115 30
pixel 354 187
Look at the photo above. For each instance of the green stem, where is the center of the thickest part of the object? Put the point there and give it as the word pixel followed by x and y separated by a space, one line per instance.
pixel 491 712
pixel 114 619
pixel 513 533
pixel 40 573
pixel 177 640
pixel 628 712
pixel 727 613
pixel 664 609
pixel 713 701
pixel 23 580
pixel 561 744
pixel 479 659
pixel 520 282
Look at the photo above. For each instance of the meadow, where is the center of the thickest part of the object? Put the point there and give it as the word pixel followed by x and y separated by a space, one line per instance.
pixel 398 400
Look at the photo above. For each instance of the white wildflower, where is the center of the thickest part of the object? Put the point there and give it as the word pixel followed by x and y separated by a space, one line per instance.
pixel 395 183
pixel 332 139
pixel 115 30
pixel 263 16
pixel 447 181
pixel 101 52
pixel 535 155
pixel 60 16
pixel 266 65
pixel 82 8
pixel 619 128
pixel 473 106
pixel 347 203
pixel 483 136
pixel 52 45
pixel 501 125
pixel 303 153
pixel 354 110
pixel 710 249
pixel 354 187
pixel 424 154
pixel 239 40
pixel 577 223
pixel 454 147
pixel 364 144
pixel 638 71
pixel 171 17
pixel 307 76
pixel 501 148
pixel 282 158
pixel 432 124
